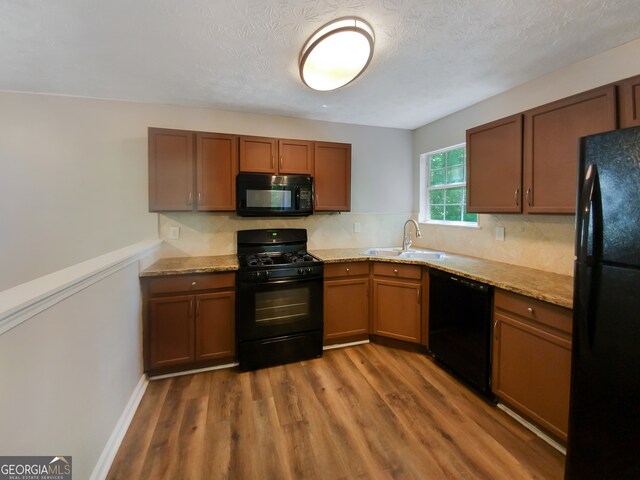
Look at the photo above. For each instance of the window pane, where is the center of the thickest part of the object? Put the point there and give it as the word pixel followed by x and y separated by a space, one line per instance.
pixel 437 176
pixel 470 217
pixel 455 157
pixel 437 212
pixel 455 174
pixel 436 196
pixel 453 213
pixel 437 161
pixel 455 196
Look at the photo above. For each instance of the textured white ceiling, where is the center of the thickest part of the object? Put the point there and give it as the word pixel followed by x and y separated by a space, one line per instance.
pixel 432 57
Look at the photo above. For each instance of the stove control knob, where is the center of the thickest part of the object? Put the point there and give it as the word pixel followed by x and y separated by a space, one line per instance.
pixel 266 275
pixel 308 269
pixel 301 271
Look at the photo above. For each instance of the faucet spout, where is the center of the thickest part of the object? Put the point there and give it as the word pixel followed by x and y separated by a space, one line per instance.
pixel 406 239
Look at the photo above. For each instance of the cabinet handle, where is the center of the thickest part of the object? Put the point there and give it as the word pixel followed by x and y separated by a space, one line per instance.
pixel 271 161
pixel 190 199
pixel 495 329
pixel 528 199
pixel 280 163
pixel 191 308
pixel 418 296
pixel 193 284
pixel 515 197
pixel 530 310
pixel 199 197
pixel 316 199
pixel 197 307
pixel 395 270
pixel 347 270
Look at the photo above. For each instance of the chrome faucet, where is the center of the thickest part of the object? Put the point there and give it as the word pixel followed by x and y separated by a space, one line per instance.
pixel 406 240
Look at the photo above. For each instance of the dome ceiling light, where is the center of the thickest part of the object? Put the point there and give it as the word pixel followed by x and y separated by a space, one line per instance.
pixel 336 54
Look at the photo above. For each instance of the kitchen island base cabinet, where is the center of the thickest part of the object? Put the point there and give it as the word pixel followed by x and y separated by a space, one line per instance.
pixel 532 359
pixel 397 291
pixel 346 302
pixel 189 321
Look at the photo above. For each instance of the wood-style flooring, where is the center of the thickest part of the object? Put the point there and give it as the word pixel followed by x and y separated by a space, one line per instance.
pixel 366 412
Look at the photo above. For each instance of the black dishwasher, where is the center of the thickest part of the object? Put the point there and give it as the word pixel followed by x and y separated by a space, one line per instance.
pixel 460 327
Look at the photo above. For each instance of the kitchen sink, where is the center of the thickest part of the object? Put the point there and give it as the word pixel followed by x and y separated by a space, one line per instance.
pixel 411 254
pixel 422 255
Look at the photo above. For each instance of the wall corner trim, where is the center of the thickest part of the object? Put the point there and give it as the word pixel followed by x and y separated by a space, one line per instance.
pixel 101 470
pixel 20 303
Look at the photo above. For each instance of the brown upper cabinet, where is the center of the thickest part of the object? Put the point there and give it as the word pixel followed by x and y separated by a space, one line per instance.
pixel 528 163
pixel 551 134
pixel 191 171
pixel 629 102
pixel 332 177
pixel 170 170
pixel 272 155
pixel 494 166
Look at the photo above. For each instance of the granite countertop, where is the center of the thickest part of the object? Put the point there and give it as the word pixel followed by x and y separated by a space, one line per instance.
pixel 549 287
pixel 181 265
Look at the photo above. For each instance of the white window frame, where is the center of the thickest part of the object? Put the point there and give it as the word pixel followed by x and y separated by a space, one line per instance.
pixel 425 188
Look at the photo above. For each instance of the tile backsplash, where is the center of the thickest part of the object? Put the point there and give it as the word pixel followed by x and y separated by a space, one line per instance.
pixel 542 242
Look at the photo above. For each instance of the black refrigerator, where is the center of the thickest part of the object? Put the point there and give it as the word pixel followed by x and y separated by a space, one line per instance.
pixel 604 417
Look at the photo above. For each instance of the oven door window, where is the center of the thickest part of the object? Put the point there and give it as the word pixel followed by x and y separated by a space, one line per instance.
pixel 271 199
pixel 279 308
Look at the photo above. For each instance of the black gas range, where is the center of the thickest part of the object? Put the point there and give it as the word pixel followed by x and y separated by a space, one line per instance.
pixel 279 301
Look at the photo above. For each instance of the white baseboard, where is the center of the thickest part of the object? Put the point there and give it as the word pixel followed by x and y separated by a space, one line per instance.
pixel 101 470
pixel 342 345
pixel 533 428
pixel 198 370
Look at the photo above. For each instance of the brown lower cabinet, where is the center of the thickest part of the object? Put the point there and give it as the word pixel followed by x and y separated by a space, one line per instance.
pixel 532 359
pixel 189 321
pixel 346 302
pixel 397 291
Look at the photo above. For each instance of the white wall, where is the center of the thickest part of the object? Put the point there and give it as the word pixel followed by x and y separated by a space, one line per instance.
pixel 73 173
pixel 68 372
pixel 544 242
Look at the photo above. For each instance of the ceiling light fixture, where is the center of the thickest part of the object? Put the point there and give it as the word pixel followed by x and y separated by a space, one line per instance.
pixel 336 54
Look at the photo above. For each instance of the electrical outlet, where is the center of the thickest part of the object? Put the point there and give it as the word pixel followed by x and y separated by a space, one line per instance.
pixel 500 234
pixel 356 227
pixel 174 233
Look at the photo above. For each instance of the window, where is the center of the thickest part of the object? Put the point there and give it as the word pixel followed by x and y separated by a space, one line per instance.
pixel 443 200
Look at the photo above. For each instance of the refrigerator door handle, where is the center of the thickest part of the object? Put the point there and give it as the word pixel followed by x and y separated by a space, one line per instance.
pixel 584 212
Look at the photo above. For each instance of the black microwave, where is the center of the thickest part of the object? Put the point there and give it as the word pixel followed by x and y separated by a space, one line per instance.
pixel 274 195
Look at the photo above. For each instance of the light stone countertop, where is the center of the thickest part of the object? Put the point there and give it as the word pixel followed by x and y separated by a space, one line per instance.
pixel 548 287
pixel 181 265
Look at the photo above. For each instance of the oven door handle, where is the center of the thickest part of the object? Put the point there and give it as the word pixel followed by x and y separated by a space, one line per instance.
pixel 284 281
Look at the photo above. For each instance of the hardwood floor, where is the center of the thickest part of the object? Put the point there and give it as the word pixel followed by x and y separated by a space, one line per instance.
pixel 367 412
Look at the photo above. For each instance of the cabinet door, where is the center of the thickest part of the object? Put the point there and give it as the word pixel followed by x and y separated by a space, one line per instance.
pixel 217 160
pixel 215 325
pixel 494 167
pixel 396 309
pixel 551 147
pixel 171 330
pixel 629 102
pixel 346 308
pixel 258 154
pixel 532 371
pixel 295 157
pixel 332 177
pixel 170 170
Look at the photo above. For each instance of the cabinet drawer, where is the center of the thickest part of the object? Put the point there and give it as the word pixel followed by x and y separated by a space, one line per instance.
pixel 347 269
pixel 545 313
pixel 397 270
pixel 190 282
